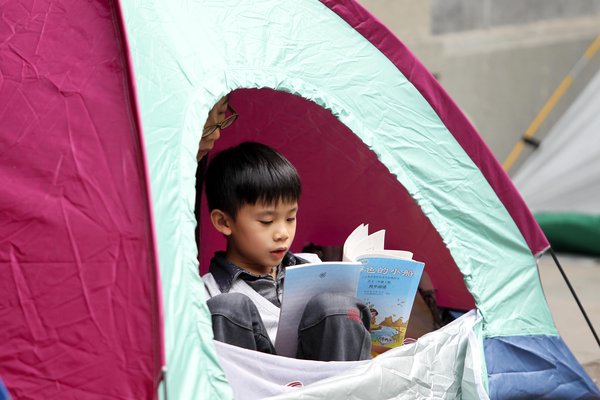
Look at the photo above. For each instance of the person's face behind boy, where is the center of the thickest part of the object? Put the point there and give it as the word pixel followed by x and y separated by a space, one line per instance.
pixel 260 234
pixel 215 116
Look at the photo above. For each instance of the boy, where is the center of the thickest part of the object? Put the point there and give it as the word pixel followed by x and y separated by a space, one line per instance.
pixel 253 194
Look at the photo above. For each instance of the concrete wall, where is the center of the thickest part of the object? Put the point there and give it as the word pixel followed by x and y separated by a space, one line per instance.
pixel 499 60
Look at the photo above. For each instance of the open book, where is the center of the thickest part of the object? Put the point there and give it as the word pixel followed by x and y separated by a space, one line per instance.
pixel 385 280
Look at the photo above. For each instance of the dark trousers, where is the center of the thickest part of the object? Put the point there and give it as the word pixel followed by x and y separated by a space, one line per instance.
pixel 333 327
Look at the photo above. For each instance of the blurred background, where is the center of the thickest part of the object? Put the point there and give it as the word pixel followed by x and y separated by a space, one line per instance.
pixel 501 62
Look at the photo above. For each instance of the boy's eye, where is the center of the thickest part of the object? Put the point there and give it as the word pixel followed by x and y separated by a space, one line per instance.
pixel 291 219
pixel 266 222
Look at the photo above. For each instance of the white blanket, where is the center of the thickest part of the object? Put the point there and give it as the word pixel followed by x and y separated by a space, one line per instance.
pixel 445 364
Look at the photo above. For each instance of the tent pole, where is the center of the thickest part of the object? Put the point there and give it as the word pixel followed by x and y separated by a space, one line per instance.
pixel 560 268
pixel 550 103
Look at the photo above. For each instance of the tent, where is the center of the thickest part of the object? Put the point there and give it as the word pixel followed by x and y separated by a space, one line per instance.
pixel 560 181
pixel 102 105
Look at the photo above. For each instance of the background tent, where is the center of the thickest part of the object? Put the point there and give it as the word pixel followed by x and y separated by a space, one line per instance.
pixel 560 181
pixel 78 255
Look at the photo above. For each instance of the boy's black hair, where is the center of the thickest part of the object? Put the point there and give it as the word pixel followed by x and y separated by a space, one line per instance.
pixel 249 173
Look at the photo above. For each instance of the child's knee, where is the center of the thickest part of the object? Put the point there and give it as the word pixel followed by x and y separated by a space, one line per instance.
pixel 224 302
pixel 233 308
pixel 325 305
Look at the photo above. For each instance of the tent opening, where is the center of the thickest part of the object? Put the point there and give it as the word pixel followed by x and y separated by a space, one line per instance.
pixel 344 185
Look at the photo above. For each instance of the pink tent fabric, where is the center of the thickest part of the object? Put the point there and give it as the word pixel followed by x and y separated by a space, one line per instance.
pixel 79 299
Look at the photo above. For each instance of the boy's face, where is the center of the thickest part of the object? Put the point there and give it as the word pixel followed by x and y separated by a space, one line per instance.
pixel 261 234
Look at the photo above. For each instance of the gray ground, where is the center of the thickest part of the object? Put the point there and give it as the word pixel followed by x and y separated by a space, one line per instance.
pixel 584 275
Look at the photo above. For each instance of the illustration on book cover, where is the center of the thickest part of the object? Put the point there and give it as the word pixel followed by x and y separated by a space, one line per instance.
pixel 388 286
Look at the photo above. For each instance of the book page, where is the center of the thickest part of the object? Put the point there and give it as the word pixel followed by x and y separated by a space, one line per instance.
pixel 374 242
pixel 401 254
pixel 303 282
pixel 364 245
pixel 358 234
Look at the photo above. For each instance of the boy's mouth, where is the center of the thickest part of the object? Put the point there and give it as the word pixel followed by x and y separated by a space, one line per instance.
pixel 280 252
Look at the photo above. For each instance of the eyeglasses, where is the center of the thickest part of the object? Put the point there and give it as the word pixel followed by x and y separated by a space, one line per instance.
pixel 210 129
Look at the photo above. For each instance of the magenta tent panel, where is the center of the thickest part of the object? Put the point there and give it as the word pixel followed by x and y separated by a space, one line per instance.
pixel 79 305
pixel 460 127
pixel 344 185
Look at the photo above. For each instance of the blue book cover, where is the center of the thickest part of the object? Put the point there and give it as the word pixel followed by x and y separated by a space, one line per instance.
pixel 388 285
pixel 302 283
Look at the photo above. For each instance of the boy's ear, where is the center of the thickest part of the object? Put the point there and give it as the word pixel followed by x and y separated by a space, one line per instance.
pixel 220 221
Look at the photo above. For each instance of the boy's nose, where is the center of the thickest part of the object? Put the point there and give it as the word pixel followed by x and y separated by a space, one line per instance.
pixel 281 234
